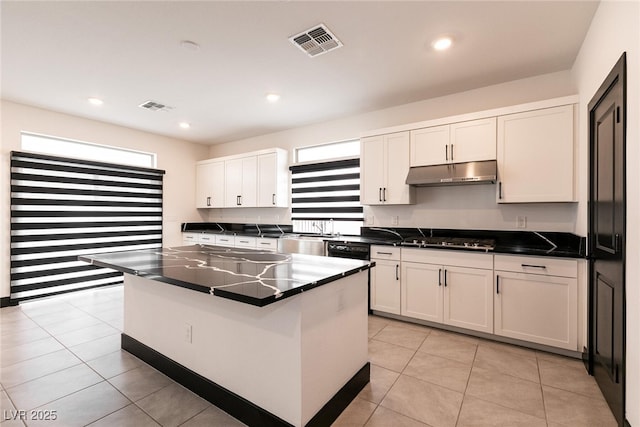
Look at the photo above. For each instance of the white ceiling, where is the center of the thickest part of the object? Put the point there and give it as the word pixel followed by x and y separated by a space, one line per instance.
pixel 57 54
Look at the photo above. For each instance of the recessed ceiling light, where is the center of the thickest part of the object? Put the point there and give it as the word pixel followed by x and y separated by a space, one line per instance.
pixel 442 43
pixel 184 125
pixel 189 45
pixel 95 101
pixel 273 97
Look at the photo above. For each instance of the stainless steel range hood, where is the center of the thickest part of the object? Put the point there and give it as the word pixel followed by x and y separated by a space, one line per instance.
pixel 483 172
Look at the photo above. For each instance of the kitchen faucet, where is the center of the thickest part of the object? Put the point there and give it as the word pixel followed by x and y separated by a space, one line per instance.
pixel 319 227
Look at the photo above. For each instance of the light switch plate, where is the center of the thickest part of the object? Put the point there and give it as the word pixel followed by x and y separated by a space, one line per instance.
pixel 521 221
pixel 394 220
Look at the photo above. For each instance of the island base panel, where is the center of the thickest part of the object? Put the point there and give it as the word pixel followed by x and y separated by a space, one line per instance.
pixel 237 406
pixel 289 358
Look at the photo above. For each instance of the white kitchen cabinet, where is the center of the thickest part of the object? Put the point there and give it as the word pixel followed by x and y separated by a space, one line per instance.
pixel 421 294
pixel 210 184
pixel 472 140
pixel 207 239
pixel 245 241
pixel 384 168
pixel 225 240
pixel 255 179
pixel 267 243
pixel 190 238
pixel 241 187
pixel 536 156
pixel 385 279
pixel 536 300
pixel 454 288
pixel 273 180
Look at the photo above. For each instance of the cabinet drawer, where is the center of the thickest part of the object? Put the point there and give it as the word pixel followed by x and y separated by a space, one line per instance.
pixel 225 240
pixel 190 238
pixel 448 257
pixel 267 244
pixel 385 252
pixel 537 265
pixel 245 242
pixel 207 239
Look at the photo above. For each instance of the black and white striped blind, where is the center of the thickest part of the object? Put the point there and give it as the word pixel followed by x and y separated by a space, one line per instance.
pixel 326 191
pixel 62 208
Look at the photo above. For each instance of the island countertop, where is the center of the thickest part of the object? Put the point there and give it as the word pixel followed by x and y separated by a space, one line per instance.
pixel 249 276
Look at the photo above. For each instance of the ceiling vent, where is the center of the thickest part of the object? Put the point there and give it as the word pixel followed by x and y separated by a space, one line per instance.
pixel 155 106
pixel 316 41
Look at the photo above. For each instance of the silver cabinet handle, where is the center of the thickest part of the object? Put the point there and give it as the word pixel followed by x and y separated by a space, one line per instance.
pixel 384 253
pixel 451 152
pixel 500 190
pixel 273 199
pixel 445 277
pixel 446 153
pixel 209 201
pixel 439 277
pixel 497 284
pixel 397 272
pixel 380 194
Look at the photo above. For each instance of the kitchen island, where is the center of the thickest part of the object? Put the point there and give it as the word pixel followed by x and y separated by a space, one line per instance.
pixel 273 339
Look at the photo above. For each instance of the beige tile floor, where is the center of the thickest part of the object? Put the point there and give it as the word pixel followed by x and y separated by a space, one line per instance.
pixel 63 354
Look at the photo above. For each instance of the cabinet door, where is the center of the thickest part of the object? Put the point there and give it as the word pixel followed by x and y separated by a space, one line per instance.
pixel 385 286
pixel 249 195
pixel 429 146
pixel 396 191
pixel 536 156
pixel 267 180
pixel 421 291
pixel 241 182
pixel 233 182
pixel 372 153
pixel 210 185
pixel 537 308
pixel 468 298
pixel 473 141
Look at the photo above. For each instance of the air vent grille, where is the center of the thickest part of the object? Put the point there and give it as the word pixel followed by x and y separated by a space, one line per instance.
pixel 155 106
pixel 316 41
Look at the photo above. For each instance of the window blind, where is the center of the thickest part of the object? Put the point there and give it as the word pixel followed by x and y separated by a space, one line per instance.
pixel 62 208
pixel 327 191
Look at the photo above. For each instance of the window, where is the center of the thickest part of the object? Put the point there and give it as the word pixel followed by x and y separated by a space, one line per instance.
pixel 62 208
pixel 325 196
pixel 317 153
pixel 86 150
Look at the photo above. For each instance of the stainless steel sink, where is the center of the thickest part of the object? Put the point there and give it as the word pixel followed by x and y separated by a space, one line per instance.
pixel 302 244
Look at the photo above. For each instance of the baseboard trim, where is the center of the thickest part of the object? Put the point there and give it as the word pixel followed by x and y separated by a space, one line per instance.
pixel 7 302
pixel 235 405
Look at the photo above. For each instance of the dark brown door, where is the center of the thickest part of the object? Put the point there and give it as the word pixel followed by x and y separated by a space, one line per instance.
pixel 607 214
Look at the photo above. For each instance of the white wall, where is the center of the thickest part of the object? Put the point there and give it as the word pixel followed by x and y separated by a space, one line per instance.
pixel 436 207
pixel 175 156
pixel 615 29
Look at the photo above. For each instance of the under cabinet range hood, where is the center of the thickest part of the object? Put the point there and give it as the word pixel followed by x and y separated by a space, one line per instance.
pixel 482 172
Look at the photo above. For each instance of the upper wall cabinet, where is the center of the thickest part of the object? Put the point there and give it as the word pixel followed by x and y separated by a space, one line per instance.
pixel 257 179
pixel 536 156
pixel 384 167
pixel 273 180
pixel 209 184
pixel 467 141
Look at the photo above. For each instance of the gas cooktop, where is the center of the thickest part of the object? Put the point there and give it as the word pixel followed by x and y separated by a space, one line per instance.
pixel 450 242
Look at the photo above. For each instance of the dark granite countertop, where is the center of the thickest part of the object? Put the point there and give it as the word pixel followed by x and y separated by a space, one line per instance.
pixel 554 244
pixel 245 275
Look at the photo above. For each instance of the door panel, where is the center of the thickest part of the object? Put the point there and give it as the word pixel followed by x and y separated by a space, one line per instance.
pixel 607 216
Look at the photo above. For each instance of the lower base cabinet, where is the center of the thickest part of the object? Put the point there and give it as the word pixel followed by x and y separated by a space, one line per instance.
pixel 536 300
pixel 452 294
pixel 385 279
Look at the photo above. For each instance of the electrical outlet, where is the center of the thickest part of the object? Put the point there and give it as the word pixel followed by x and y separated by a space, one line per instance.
pixel 521 221
pixel 369 220
pixel 394 220
pixel 188 333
